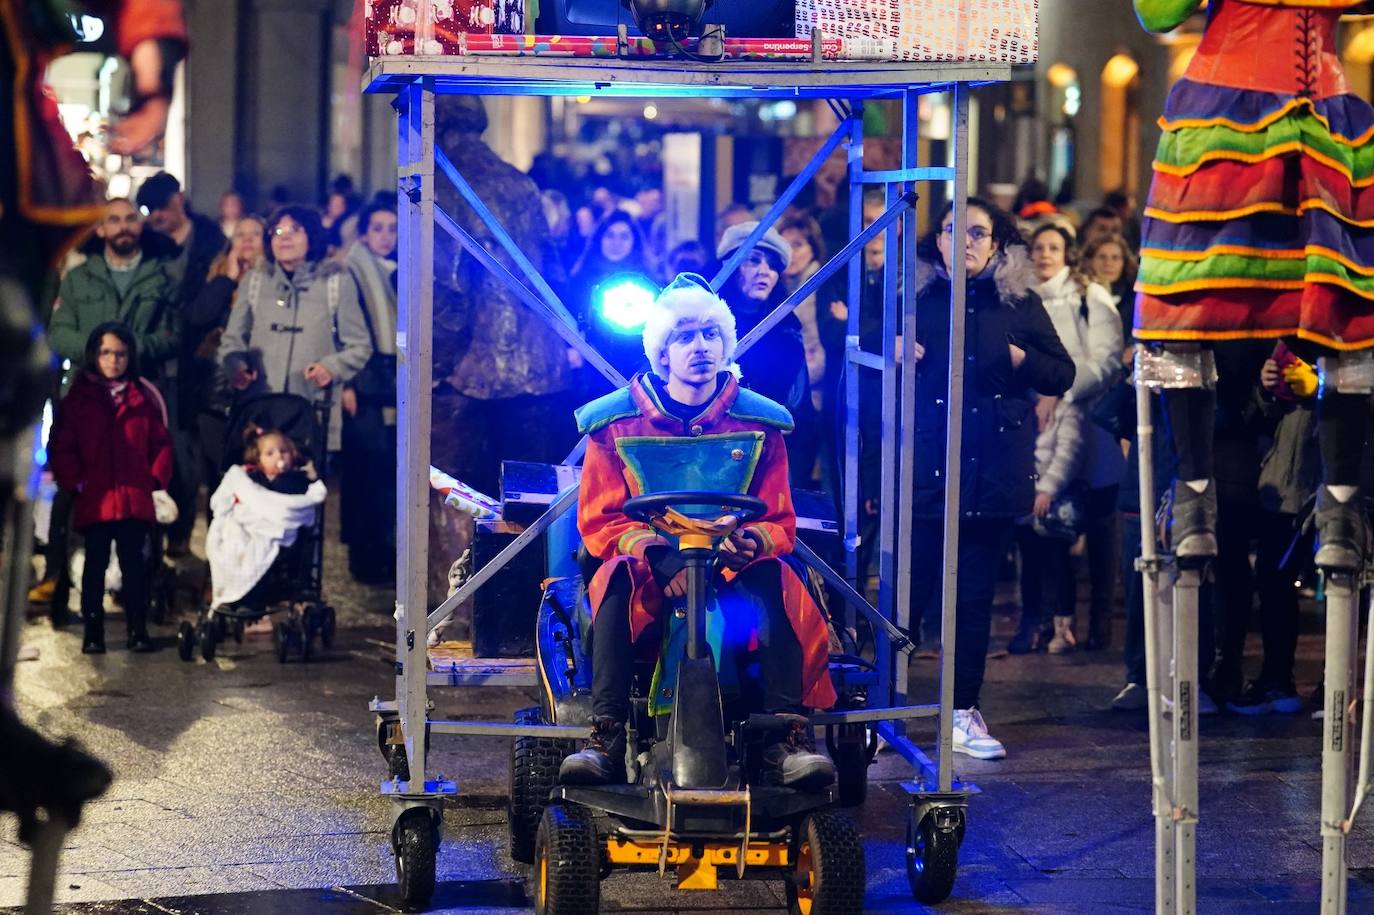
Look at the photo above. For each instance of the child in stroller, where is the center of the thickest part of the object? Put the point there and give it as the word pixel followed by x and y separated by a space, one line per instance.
pixel 265 542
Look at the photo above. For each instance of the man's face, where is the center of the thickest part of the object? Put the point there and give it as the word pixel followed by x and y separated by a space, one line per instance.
pixel 695 352
pixel 381 233
pixel 1102 225
pixel 120 227
pixel 169 217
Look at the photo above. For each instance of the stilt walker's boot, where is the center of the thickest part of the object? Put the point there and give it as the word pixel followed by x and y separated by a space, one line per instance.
pixel 1193 522
pixel 1342 532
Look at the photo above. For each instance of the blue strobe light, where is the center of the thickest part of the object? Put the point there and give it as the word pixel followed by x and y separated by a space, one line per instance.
pixel 622 300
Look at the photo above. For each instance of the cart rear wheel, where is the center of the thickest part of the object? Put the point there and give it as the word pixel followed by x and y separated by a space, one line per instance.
pixel 828 867
pixel 932 858
pixel 238 630
pixel 186 641
pixel 417 847
pixel 534 763
pixel 567 863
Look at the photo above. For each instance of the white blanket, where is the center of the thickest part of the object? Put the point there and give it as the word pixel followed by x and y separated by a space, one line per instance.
pixel 252 523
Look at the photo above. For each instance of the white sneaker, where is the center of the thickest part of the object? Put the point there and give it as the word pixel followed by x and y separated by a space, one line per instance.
pixel 1132 698
pixel 1063 641
pixel 971 736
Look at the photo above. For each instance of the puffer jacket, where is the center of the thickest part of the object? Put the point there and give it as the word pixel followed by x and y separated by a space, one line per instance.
pixel 1059 449
pixel 998 473
pixel 1089 326
pixel 280 324
pixel 112 456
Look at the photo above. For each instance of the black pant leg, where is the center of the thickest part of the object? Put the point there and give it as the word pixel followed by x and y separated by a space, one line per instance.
pixel 612 652
pixel 1061 584
pixel 1104 551
pixel 58 553
pixel 780 651
pixel 981 544
pixel 1191 415
pixel 1235 583
pixel 1032 577
pixel 1134 648
pixel 1278 599
pixel 99 538
pixel 131 544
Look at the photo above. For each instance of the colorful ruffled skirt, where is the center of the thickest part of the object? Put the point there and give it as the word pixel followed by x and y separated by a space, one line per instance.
pixel 1260 219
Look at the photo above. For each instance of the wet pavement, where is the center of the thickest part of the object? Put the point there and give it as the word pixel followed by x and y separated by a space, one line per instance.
pixel 248 786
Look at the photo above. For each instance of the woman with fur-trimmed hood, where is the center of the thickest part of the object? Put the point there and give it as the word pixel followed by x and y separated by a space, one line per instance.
pixel 1011 352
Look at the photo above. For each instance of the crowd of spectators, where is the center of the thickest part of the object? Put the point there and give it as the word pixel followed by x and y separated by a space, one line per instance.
pixel 303 300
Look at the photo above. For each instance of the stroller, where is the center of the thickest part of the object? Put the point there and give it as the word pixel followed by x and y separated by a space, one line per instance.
pixel 292 585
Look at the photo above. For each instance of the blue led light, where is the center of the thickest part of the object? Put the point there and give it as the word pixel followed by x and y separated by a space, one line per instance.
pixel 622 301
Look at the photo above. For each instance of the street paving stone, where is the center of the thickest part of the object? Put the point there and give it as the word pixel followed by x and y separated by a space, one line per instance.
pixel 248 786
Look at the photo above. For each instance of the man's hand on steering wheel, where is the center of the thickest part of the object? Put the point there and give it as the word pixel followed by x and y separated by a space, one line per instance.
pixel 677 587
pixel 738 550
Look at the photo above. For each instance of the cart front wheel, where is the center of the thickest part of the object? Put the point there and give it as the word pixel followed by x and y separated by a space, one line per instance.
pixel 828 867
pixel 932 857
pixel 567 863
pixel 417 847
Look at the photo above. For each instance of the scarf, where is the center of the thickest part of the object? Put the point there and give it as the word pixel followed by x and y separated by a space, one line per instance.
pixel 373 274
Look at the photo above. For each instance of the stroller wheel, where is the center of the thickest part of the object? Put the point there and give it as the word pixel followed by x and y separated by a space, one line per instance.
pixel 186 641
pixel 208 635
pixel 283 642
pixel 238 630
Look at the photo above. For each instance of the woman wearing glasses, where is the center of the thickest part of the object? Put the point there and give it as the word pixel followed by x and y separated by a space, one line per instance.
pixel 297 327
pixel 1011 353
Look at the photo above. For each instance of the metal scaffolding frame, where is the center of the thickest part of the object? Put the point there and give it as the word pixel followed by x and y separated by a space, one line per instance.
pixel 415 81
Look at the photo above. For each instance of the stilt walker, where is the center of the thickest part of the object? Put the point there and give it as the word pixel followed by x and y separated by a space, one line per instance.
pixel 1259 225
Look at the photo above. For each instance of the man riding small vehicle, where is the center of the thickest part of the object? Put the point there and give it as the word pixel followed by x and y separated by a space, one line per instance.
pixel 690 426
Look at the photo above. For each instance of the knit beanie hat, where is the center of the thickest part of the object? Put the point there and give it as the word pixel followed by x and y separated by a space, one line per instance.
pixel 688 297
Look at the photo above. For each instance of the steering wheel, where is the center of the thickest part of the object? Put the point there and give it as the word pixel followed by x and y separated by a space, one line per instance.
pixel 660 511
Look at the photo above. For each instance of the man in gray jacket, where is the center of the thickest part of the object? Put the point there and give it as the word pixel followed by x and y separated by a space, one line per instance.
pixel 297 326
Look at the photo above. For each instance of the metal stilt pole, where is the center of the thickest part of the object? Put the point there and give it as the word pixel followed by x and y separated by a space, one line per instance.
pixel 1341 639
pixel 1157 668
pixel 1184 787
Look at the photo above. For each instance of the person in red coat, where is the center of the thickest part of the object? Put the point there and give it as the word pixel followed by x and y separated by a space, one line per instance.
pixel 690 426
pixel 110 446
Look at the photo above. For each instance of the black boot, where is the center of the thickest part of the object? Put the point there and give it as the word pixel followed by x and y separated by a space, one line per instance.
pixel 1099 633
pixel 793 762
pixel 93 638
pixel 139 640
pixel 1341 532
pixel 601 761
pixel 1028 638
pixel 1193 522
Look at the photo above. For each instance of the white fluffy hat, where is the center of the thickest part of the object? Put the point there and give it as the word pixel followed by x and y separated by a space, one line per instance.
pixel 688 297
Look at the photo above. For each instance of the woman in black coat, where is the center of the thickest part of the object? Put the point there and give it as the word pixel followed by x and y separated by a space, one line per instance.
pixel 1010 351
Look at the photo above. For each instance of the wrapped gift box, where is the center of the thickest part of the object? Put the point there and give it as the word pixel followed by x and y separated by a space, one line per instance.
pixel 396 27
pixel 1003 31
